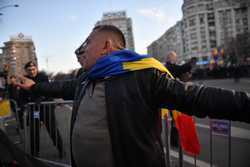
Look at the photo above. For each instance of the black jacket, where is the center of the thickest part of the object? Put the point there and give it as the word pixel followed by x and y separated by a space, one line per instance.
pixel 133 101
pixel 178 70
pixel 13 92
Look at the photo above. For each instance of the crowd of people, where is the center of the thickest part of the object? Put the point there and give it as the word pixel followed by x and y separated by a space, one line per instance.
pixel 233 71
pixel 46 115
pixel 22 97
pixel 118 97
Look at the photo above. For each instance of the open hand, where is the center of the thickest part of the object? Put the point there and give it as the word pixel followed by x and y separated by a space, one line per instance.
pixel 25 83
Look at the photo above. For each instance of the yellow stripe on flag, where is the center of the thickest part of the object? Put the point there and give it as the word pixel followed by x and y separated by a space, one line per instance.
pixel 164 113
pixel 144 64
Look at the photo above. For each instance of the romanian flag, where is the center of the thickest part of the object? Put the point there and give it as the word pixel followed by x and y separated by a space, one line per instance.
pixel 123 61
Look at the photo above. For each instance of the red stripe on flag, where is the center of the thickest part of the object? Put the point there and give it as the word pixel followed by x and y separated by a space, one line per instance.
pixel 187 132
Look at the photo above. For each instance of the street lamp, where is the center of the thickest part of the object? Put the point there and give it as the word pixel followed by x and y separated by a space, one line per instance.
pixel 7 6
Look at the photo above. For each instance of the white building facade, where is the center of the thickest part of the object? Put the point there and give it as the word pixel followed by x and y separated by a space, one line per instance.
pixel 232 18
pixel 206 25
pixel 199 34
pixel 171 40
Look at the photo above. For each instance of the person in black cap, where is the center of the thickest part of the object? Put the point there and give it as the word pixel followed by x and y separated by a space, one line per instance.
pixel 46 116
pixel 182 72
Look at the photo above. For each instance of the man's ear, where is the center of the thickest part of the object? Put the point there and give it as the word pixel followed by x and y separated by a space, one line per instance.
pixel 108 46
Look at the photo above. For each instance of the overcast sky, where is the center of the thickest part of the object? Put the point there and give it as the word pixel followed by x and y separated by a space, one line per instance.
pixel 58 27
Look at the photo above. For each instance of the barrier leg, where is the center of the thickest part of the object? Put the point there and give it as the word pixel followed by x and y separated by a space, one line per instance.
pixel 2 124
pixel 35 131
pixel 166 135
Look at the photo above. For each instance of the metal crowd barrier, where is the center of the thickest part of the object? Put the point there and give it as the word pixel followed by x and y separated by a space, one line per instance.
pixel 221 128
pixel 47 131
pixel 46 122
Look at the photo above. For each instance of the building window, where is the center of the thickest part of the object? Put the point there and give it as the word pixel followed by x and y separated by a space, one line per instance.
pixel 202 20
pixel 193 36
pixel 194 48
pixel 210 24
pixel 194 42
pixel 193 29
pixel 245 21
pixel 203 31
pixel 185 24
pixel 210 16
pixel 209 6
pixel 192 22
pixel 212 33
pixel 203 40
pixel 213 43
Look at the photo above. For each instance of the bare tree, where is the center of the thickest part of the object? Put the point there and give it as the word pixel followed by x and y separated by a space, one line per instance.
pixel 237 49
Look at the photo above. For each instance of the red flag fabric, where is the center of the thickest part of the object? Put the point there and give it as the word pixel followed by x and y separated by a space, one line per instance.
pixel 187 132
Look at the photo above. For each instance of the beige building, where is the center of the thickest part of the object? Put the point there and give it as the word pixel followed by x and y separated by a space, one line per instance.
pixel 124 23
pixel 16 53
pixel 171 40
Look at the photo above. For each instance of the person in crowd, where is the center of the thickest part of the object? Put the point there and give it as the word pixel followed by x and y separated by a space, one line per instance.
pixel 46 115
pixel 116 111
pixel 182 72
pixel 13 92
pixel 13 95
pixel 13 89
pixel 237 73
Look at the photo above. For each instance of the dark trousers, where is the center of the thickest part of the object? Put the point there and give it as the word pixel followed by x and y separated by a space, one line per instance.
pixel 47 116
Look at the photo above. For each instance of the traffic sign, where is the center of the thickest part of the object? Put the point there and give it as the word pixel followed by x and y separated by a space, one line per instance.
pixel 220 127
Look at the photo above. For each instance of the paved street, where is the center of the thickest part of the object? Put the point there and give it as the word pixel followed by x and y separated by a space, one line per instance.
pixel 240 140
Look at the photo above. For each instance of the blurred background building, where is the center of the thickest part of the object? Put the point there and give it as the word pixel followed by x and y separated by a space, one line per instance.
pixel 16 53
pixel 171 40
pixel 209 28
pixel 124 23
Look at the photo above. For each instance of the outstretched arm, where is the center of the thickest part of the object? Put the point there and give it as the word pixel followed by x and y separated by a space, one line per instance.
pixel 56 89
pixel 201 101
